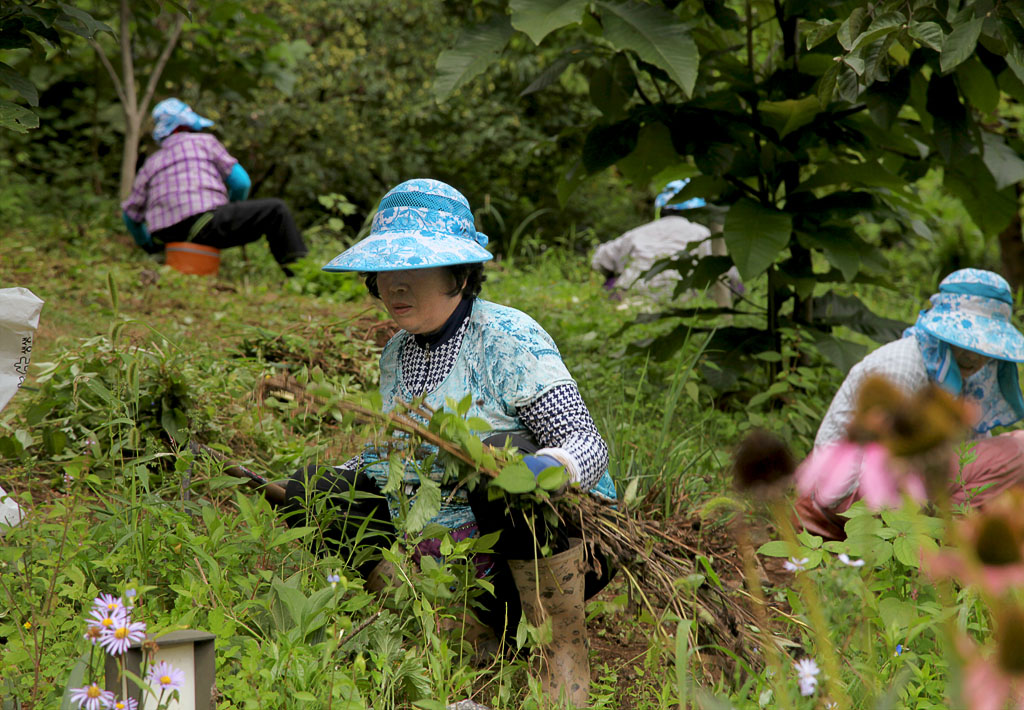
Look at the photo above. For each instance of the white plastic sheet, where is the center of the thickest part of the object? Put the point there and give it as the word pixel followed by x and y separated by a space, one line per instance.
pixel 19 317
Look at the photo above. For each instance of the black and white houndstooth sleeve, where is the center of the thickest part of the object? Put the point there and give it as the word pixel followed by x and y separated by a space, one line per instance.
pixel 560 419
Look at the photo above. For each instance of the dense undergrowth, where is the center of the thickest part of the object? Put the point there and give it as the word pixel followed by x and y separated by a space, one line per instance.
pixel 133 361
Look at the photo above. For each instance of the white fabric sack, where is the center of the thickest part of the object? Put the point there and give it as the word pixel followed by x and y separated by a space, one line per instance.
pixel 19 317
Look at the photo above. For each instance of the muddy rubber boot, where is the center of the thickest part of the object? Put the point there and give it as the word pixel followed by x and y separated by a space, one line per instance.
pixel 381 577
pixel 552 587
pixel 480 637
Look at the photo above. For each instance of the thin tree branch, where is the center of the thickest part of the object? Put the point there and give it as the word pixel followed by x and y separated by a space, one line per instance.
pixel 161 62
pixel 118 87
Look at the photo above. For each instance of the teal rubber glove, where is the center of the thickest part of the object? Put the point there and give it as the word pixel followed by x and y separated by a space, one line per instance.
pixel 238 184
pixel 140 233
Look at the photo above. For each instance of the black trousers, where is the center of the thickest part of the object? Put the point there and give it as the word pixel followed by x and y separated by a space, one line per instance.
pixel 352 502
pixel 238 223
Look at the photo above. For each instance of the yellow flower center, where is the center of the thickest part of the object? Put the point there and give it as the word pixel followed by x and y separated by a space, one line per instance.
pixel 119 705
pixel 121 632
pixel 93 691
pixel 107 622
pixel 111 606
pixel 165 680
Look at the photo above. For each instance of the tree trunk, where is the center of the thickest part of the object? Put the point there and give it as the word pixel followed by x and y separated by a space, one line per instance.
pixel 124 84
pixel 130 154
pixel 130 105
pixel 1011 247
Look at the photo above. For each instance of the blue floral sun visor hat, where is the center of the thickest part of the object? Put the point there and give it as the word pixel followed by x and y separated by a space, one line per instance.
pixel 420 224
pixel 972 310
pixel 170 114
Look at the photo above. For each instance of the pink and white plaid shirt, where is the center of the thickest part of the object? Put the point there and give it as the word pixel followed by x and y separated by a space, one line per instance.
pixel 184 178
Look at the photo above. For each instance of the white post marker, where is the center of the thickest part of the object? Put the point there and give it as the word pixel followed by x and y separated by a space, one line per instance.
pixel 19 318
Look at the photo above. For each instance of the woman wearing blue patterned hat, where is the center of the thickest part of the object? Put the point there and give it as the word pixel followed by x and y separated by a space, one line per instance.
pixel 967 344
pixel 424 260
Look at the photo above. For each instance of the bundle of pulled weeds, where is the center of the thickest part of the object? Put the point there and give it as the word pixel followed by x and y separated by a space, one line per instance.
pixel 654 556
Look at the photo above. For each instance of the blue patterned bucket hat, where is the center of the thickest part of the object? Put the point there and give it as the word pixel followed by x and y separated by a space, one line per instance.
pixel 169 114
pixel 671 190
pixel 972 311
pixel 419 225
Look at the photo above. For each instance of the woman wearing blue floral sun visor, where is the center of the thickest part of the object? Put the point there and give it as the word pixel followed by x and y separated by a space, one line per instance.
pixel 424 260
pixel 965 343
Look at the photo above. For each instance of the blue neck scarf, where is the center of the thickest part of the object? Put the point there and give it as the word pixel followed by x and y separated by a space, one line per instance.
pixel 995 387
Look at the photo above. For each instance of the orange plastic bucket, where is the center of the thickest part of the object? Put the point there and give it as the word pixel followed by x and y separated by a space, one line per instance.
pixel 189 258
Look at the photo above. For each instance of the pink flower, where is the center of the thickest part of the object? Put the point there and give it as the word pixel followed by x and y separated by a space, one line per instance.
pixel 833 473
pixel 991 550
pixel 990 683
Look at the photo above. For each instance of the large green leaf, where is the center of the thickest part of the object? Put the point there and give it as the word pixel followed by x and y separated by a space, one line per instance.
pixel 19 83
pixel 612 86
pixel 657 36
pixel 653 153
pixel 80 22
pixel 475 50
pixel 960 44
pixel 539 18
pixel 883 25
pixel 827 84
pixel 844 354
pixel 978 85
pixel 607 145
pixel 789 115
pixel 831 309
pixel 851 28
pixel 971 181
pixel 755 235
pixel 1002 161
pixel 515 478
pixel 818 32
pixel 842 253
pixel 574 176
pixel 928 34
pixel 554 70
pixel 17 118
pixel 870 173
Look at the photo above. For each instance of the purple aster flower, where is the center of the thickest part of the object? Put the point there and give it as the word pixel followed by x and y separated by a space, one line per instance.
pixel 129 704
pixel 165 676
pixel 105 619
pixel 92 697
pixel 108 603
pixel 117 639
